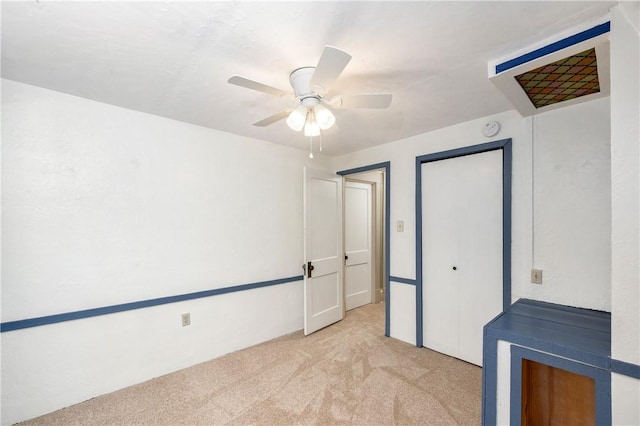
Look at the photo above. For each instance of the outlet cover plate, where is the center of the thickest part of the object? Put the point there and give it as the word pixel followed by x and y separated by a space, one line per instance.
pixel 536 276
pixel 186 320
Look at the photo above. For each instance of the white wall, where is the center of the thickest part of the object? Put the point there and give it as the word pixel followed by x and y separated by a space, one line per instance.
pixel 625 206
pixel 572 197
pixel 103 205
pixel 572 206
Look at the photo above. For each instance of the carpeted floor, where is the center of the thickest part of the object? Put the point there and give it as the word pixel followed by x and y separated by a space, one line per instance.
pixel 348 373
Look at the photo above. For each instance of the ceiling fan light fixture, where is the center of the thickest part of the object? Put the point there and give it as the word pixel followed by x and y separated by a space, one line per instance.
pixel 324 117
pixel 297 118
pixel 311 127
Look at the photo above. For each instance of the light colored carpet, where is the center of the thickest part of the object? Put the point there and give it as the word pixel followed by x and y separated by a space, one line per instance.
pixel 348 373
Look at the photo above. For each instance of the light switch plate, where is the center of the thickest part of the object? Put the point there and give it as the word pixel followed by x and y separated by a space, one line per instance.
pixel 400 226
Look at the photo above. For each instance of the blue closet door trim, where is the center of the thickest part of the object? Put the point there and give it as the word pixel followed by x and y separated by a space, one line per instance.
pixel 88 313
pixel 554 47
pixel 505 146
pixel 387 233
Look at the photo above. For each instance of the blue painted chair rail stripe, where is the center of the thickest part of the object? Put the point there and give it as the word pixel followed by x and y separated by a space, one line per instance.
pixel 88 313
pixel 554 47
pixel 402 280
pixel 625 368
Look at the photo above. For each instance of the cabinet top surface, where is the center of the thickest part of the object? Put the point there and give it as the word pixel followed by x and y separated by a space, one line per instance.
pixel 561 327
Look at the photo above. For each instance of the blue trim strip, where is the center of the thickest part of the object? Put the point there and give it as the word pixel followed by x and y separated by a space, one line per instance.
pixel 461 152
pixel 88 313
pixel 384 165
pixel 387 233
pixel 554 47
pixel 505 145
pixel 506 224
pixel 625 368
pixel 418 219
pixel 403 280
pixel 387 248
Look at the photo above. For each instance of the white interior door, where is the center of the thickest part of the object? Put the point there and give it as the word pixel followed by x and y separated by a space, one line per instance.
pixel 462 252
pixel 357 243
pixel 323 254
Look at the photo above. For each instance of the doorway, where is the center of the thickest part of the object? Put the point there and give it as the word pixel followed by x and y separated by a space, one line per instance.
pixel 363 239
pixel 366 232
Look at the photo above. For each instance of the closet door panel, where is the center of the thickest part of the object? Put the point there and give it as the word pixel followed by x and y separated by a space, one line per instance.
pixel 480 248
pixel 440 255
pixel 461 251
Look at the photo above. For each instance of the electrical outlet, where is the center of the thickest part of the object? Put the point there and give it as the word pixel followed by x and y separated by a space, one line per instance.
pixel 186 320
pixel 536 276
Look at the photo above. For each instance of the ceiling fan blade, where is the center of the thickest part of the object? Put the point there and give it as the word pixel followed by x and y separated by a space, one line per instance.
pixel 379 100
pixel 273 118
pixel 254 85
pixel 330 66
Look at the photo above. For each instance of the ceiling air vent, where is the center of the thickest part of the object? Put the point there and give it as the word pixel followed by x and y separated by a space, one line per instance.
pixel 563 80
pixel 572 69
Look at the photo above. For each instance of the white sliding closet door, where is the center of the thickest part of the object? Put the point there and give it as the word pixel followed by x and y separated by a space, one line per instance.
pixel 461 252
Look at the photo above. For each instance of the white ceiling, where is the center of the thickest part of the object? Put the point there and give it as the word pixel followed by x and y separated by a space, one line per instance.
pixel 173 58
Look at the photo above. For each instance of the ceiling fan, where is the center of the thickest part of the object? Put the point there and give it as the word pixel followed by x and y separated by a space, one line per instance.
pixel 310 84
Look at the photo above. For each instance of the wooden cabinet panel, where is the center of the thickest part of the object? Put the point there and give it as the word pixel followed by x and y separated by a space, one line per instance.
pixel 552 396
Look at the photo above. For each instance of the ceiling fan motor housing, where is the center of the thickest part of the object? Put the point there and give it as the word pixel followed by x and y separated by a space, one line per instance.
pixel 299 80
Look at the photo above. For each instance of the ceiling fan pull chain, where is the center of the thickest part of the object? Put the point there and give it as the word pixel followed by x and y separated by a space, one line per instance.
pixel 310 146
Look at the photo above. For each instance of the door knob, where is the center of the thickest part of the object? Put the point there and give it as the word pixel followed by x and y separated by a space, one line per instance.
pixel 308 269
pixel 455 268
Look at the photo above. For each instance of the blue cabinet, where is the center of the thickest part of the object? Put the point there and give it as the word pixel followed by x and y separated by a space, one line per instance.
pixel 572 339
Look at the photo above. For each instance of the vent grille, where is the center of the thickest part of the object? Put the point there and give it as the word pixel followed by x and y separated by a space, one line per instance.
pixel 566 79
